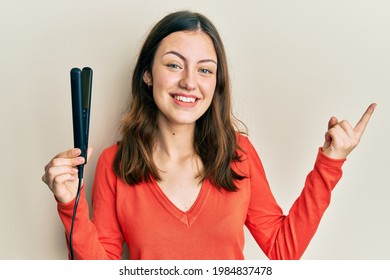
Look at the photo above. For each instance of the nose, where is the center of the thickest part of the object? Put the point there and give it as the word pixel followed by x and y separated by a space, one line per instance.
pixel 187 81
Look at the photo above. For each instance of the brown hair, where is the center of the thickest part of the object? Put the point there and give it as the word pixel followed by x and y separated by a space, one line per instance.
pixel 215 139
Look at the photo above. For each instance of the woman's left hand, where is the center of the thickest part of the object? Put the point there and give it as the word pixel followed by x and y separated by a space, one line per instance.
pixel 341 138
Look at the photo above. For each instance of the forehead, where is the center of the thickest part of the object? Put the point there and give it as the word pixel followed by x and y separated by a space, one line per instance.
pixel 190 44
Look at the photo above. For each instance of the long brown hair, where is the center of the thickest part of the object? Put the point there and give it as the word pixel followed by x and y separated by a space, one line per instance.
pixel 215 139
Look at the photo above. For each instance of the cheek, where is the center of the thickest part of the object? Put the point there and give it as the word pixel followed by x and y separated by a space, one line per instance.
pixel 161 86
pixel 160 83
pixel 209 89
pixel 163 81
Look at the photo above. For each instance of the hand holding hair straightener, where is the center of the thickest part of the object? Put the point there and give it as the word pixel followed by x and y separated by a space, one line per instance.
pixel 64 173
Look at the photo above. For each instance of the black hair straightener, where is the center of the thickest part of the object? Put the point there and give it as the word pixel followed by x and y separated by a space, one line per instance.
pixel 81 87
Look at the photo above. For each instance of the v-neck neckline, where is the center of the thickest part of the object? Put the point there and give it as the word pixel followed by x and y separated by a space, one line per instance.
pixel 189 216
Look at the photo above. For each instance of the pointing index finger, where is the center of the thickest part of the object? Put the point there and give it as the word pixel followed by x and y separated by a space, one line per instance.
pixel 363 122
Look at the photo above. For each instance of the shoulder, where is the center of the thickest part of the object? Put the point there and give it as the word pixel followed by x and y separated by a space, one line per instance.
pixel 104 171
pixel 110 151
pixel 108 154
pixel 244 145
pixel 242 139
pixel 250 162
pixel 246 150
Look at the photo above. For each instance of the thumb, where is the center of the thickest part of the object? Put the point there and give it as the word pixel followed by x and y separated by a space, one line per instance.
pixel 89 153
pixel 328 139
pixel 332 122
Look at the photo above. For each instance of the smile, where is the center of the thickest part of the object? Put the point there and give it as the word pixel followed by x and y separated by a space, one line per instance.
pixel 185 99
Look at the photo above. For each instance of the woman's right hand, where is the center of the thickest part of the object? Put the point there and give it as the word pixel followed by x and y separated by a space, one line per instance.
pixel 61 174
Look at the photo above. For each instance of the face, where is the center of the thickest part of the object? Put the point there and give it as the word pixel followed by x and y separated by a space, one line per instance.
pixel 183 77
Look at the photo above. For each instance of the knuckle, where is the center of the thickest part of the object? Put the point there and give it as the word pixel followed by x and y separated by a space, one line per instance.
pixel 57 180
pixel 354 142
pixel 346 123
pixel 333 130
pixel 56 161
pixel 50 172
pixel 343 123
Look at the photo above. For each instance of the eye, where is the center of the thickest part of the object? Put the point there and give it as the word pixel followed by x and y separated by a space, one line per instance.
pixel 173 66
pixel 205 71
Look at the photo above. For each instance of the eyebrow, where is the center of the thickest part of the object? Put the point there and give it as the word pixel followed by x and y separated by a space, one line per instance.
pixel 183 58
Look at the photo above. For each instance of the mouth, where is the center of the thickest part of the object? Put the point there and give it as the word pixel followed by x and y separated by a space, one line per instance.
pixel 184 99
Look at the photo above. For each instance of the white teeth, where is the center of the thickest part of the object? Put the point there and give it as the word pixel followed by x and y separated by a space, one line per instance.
pixel 185 99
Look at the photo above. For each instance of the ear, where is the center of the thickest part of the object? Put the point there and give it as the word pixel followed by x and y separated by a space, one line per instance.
pixel 147 78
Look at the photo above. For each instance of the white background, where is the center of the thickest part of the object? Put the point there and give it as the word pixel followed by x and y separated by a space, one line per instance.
pixel 293 65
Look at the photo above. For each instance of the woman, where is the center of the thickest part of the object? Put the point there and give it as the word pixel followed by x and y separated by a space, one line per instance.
pixel 183 182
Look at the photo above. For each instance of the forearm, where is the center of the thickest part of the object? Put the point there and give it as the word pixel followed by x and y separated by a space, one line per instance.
pixel 287 236
pixel 85 238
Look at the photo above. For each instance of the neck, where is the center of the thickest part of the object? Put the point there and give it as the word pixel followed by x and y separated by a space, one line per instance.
pixel 174 141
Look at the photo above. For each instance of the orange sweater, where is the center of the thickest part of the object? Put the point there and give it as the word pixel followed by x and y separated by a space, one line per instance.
pixel 153 228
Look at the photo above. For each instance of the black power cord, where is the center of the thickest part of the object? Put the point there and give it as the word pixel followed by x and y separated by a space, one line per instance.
pixel 76 203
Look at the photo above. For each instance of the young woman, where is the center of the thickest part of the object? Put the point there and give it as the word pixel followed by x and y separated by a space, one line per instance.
pixel 183 181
